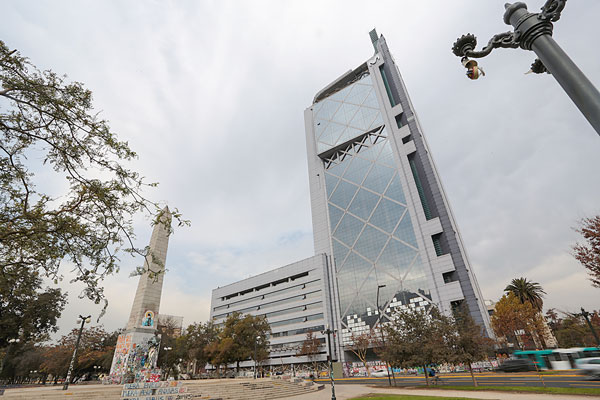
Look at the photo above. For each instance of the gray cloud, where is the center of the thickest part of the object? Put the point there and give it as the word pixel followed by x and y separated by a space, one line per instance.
pixel 211 96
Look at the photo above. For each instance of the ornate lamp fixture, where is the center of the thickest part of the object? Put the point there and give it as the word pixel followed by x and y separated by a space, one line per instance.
pixel 533 31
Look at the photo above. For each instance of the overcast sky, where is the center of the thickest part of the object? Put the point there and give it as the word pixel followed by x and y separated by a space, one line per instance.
pixel 211 96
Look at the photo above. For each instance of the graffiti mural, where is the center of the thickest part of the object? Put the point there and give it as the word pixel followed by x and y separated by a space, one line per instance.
pixel 135 358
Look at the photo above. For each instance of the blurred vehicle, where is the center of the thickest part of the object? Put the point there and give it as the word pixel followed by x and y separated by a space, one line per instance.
pixel 516 365
pixel 589 366
pixel 559 359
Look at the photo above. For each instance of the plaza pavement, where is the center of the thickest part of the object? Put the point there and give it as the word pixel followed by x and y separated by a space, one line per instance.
pixel 343 392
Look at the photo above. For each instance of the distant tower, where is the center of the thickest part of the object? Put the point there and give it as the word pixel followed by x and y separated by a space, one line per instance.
pixel 137 348
pixel 149 290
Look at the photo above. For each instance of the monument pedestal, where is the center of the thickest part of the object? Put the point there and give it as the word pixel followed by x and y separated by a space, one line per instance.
pixel 135 357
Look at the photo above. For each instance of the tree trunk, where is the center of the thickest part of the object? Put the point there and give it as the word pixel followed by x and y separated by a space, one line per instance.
pixel 426 375
pixel 237 369
pixel 366 367
pixel 472 375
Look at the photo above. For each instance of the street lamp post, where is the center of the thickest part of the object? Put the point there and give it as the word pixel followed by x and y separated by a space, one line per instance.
pixel 84 320
pixel 97 369
pixel 387 366
pixel 586 315
pixel 328 332
pixel 167 349
pixel 533 31
pixel 255 361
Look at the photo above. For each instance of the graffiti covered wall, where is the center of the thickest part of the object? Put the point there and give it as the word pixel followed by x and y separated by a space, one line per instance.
pixel 135 357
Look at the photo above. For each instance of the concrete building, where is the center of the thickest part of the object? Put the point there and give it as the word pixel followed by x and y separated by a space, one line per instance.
pixel 294 298
pixel 384 234
pixel 379 210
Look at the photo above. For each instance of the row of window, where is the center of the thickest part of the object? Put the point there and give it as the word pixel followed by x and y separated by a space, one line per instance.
pixel 307 318
pixel 266 285
pixel 307 285
pixel 277 303
pixel 300 331
pixel 292 346
pixel 295 309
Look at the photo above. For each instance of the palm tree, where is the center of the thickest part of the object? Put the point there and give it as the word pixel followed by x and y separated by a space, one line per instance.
pixel 527 291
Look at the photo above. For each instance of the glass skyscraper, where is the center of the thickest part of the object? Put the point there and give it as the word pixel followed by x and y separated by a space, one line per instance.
pixel 379 210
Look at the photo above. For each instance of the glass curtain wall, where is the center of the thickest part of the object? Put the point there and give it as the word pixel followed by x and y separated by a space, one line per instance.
pixel 372 235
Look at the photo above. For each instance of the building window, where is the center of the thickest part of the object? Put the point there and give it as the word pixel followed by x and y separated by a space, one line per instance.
pixel 456 305
pixel 424 203
pixel 451 276
pixel 388 89
pixel 437 244
pixel 399 123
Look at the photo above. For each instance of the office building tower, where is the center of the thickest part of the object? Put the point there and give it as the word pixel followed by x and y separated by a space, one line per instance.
pixel 384 235
pixel 379 210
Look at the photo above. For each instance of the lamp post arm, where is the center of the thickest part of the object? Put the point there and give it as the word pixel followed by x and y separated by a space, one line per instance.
pixel 533 31
pixel 465 45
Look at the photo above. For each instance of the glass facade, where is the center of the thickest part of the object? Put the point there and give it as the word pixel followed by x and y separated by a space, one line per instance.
pixel 372 235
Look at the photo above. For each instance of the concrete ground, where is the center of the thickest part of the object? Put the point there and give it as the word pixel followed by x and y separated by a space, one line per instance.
pixel 344 392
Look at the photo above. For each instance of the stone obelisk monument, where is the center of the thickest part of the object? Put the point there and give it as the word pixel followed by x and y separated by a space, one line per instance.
pixel 137 348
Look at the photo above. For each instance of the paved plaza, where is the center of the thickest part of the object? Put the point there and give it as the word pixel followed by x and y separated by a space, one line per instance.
pixel 343 392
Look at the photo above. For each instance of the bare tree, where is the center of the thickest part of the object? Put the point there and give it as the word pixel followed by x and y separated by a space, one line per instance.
pixel 311 349
pixel 360 344
pixel 589 254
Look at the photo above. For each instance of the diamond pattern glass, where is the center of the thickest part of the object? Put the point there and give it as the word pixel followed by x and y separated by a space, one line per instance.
pixel 331 182
pixel 339 252
pixel 372 235
pixel 387 214
pixel 396 259
pixel 370 242
pixel 378 178
pixel 343 194
pixel 363 204
pixel 331 133
pixel 394 191
pixel 335 214
pixel 405 231
pixel 346 114
pixel 357 171
pixel 348 229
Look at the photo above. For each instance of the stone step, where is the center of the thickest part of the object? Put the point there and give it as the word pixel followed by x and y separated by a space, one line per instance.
pixel 259 389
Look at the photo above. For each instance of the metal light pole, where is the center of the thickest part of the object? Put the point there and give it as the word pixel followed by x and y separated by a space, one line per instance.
pixel 534 32
pixel 84 320
pixel 255 344
pixel 586 315
pixel 387 366
pixel 167 349
pixel 328 332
